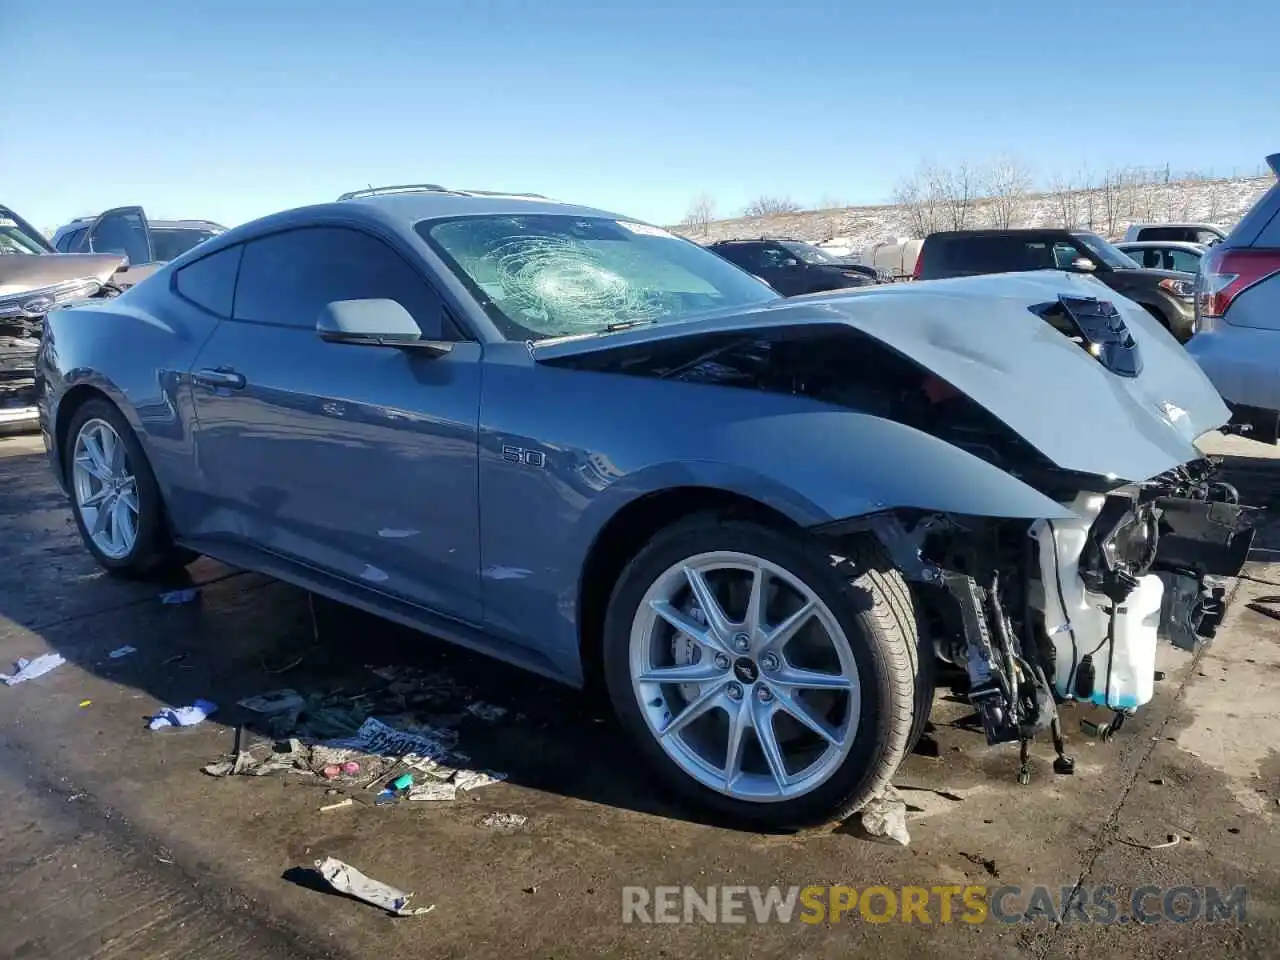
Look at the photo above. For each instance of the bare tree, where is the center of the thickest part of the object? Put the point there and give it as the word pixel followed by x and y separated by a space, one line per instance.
pixel 1112 196
pixel 770 206
pixel 830 201
pixel 1007 184
pixel 920 199
pixel 1066 200
pixel 701 212
pixel 956 189
pixel 1215 204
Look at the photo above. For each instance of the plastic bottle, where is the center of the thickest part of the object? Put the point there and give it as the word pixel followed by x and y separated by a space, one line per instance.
pixel 1126 671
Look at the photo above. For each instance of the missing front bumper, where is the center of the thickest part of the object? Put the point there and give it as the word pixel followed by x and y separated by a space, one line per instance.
pixel 1199 542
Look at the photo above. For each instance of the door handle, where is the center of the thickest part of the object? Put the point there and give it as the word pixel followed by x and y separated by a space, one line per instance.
pixel 223 377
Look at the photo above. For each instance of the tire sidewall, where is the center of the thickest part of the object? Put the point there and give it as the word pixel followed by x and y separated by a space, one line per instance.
pixel 847 602
pixel 147 550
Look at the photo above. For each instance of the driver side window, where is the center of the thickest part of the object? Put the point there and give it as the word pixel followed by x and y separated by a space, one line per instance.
pixel 286 278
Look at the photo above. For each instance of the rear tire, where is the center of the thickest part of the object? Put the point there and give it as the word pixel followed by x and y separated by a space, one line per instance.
pixel 115 499
pixel 862 608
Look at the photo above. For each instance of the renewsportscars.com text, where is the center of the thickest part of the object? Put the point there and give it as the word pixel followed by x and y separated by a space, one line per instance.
pixel 942 904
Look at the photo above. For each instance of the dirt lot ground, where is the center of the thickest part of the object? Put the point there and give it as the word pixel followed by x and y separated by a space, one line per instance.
pixel 116 845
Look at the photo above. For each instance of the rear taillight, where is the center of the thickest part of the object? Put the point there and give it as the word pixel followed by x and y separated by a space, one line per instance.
pixel 1226 272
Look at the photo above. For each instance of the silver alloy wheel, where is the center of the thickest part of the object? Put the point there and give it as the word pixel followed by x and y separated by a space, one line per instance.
pixel 744 676
pixel 106 490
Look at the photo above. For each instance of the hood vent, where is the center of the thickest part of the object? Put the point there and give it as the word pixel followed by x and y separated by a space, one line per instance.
pixel 1096 325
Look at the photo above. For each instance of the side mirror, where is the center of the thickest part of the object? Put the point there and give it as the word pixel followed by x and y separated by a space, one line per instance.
pixel 790 262
pixel 1084 265
pixel 376 323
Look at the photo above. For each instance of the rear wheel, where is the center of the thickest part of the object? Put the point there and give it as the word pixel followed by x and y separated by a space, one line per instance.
pixel 114 496
pixel 760 675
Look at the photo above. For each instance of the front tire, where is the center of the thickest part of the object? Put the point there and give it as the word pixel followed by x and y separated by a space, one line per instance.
pixel 115 499
pixel 761 676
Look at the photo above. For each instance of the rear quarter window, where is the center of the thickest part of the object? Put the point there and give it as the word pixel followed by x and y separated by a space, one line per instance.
pixel 210 282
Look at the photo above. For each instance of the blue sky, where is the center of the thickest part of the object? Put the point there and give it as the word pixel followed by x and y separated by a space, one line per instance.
pixel 229 110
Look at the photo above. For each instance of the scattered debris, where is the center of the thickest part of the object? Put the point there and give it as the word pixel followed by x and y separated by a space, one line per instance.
pixel 886 816
pixel 470 779
pixel 182 716
pixel 489 712
pixel 86 703
pixel 402 782
pixel 275 702
pixel 124 651
pixel 533 889
pixel 347 879
pixel 179 597
pixel 502 820
pixel 1171 840
pixel 1157 781
pixel 339 805
pixel 434 790
pixel 25 669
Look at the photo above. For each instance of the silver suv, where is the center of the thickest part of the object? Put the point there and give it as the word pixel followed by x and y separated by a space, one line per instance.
pixel 1238 313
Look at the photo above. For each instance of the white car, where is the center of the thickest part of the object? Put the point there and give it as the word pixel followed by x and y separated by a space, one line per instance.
pixel 1238 316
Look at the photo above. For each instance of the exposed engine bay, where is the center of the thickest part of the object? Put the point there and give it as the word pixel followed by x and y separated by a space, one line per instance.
pixel 1072 610
pixel 1035 612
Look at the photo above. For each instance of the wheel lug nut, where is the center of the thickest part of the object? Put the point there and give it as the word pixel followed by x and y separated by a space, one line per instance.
pixel 734 691
pixel 742 642
pixel 764 694
pixel 722 662
pixel 769 662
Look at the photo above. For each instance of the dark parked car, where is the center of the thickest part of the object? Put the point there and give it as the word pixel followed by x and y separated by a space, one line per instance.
pixel 127 231
pixel 581 444
pixel 1168 295
pixel 794 267
pixel 33 281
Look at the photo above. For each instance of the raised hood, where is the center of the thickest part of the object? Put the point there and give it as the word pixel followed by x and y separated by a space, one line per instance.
pixel 18 274
pixel 981 335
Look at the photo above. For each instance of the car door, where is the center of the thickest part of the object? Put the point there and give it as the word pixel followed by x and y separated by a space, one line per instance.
pixel 122 230
pixel 359 460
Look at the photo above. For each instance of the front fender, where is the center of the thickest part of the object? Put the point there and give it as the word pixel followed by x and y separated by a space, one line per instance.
pixel 848 464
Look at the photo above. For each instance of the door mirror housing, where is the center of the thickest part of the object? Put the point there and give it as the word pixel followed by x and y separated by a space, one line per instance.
pixel 375 323
pixel 791 263
pixel 1083 265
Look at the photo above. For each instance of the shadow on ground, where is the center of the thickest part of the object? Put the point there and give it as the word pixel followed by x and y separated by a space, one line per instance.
pixel 246 635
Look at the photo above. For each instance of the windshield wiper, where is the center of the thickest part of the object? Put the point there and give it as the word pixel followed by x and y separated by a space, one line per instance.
pixel 625 325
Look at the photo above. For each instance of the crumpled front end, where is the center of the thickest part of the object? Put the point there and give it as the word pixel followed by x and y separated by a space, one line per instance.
pixel 21 324
pixel 1073 609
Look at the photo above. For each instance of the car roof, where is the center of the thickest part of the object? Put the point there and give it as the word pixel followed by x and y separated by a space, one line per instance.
pixel 432 205
pixel 1160 244
pixel 162 224
pixel 1012 232
pixel 398 212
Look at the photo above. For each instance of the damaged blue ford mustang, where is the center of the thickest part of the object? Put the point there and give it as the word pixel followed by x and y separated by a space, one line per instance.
pixel 578 443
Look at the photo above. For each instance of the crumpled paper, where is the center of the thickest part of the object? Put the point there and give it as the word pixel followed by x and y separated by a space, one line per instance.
pixel 347 879
pixel 886 816
pixel 25 669
pixel 183 716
